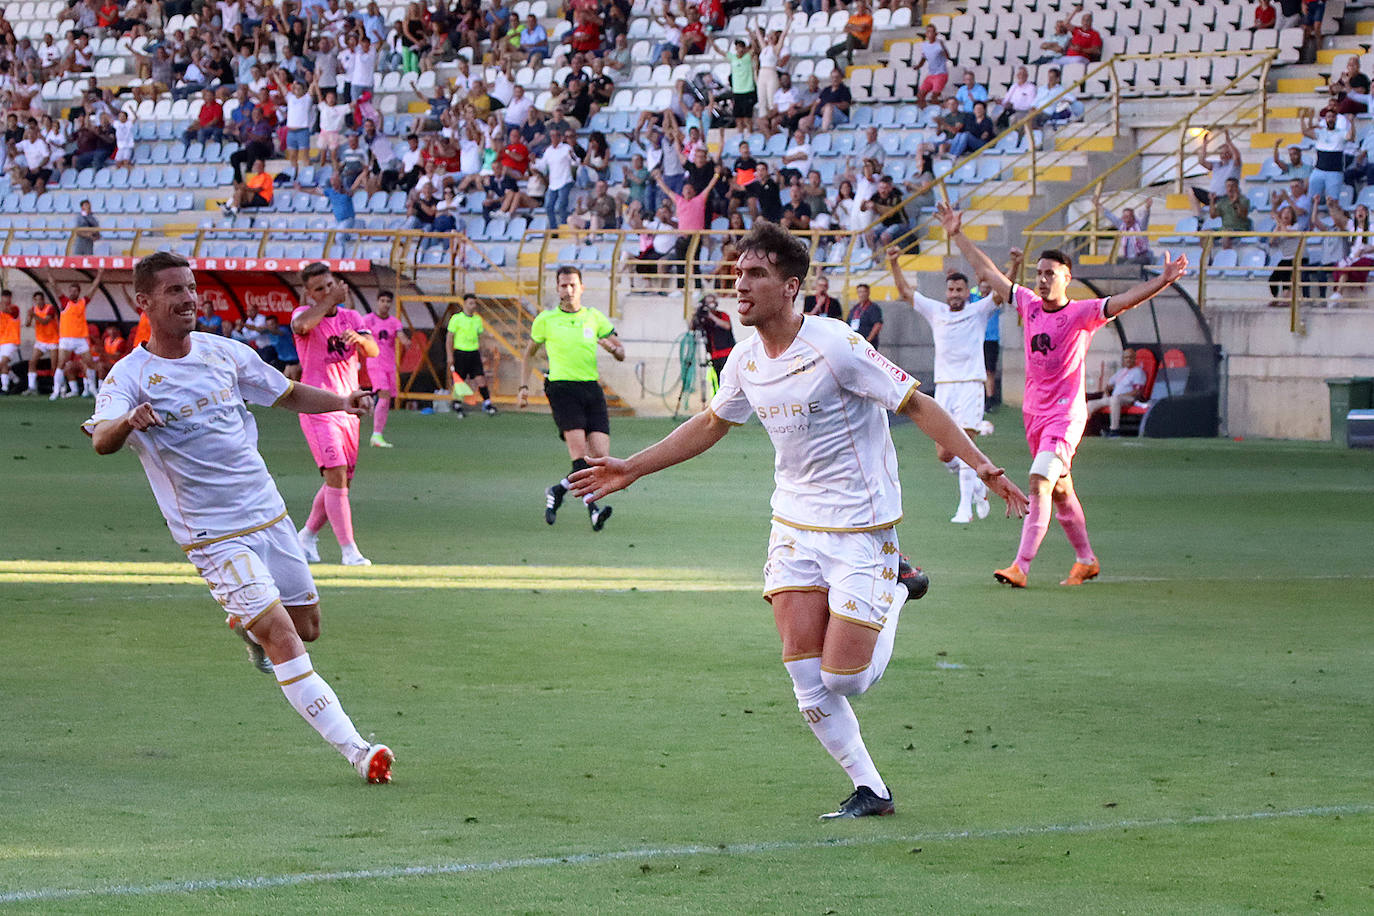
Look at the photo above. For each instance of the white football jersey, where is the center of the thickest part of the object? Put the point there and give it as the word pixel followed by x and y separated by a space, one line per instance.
pixel 824 402
pixel 958 337
pixel 204 466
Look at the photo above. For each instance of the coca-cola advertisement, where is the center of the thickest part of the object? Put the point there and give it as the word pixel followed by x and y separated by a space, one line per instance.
pixel 266 292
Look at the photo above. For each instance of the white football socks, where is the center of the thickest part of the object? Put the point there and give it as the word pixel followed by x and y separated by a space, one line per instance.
pixel 312 697
pixel 91 383
pixel 968 485
pixel 59 378
pixel 834 724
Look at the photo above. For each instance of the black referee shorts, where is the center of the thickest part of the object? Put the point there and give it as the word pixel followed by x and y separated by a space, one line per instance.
pixel 578 405
pixel 992 353
pixel 467 363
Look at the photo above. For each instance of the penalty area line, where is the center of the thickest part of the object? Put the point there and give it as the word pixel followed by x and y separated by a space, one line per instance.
pixel 261 882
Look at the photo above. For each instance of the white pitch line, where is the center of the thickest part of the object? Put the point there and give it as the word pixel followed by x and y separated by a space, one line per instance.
pixel 596 858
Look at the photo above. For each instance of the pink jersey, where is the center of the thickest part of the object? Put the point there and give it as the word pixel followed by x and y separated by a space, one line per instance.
pixel 327 360
pixel 384 331
pixel 1056 352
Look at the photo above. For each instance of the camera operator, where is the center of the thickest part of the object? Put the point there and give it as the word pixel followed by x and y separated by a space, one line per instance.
pixel 714 326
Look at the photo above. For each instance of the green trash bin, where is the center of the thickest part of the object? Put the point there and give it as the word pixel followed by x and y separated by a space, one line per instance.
pixel 1347 394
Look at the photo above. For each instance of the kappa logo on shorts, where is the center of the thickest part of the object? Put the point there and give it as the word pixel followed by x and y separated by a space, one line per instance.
pixel 849 606
pixel 889 574
pixel 889 549
pixel 155 379
pixel 884 598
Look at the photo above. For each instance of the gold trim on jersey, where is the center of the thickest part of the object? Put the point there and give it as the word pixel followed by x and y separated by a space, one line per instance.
pixel 960 381
pixel 237 534
pixel 799 658
pixel 290 387
pixel 859 670
pixel 769 593
pixel 722 419
pixel 800 527
pixel 276 602
pixel 863 623
pixel 300 677
pixel 915 385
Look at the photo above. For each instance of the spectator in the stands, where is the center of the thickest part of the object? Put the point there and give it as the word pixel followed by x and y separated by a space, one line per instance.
pixel 209 122
pixel 86 231
pixel 1294 166
pixel 1328 252
pixel 1265 15
pixel 1332 133
pixel 557 168
pixel 971 91
pixel 949 125
pixel 1019 99
pixel 743 88
pixel 1283 250
pixel 534 41
pixel 1290 14
pixel 784 103
pixel 596 161
pixel 30 160
pixel 1055 45
pixel 1350 89
pixel 772 50
pixel 1360 256
pixel 340 197
pixel 88 152
pixel 1059 103
pixel 886 206
pixel 872 148
pixel 1361 171
pixel 935 59
pixel 1085 42
pixel 300 115
pixel 1125 386
pixel 765 198
pixel 857 32
pixel 256 137
pixel 1227 165
pixel 796 159
pixel 1295 198
pixel 384 165
pixel 352 161
pixel 832 104
pixel 255 191
pixel 1134 246
pixel 978 132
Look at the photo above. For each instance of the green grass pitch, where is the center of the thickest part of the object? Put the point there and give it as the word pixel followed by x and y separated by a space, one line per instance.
pixel 601 723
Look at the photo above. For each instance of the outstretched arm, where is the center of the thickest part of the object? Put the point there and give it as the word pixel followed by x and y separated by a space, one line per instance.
pixel 607 475
pixel 1144 292
pixel 903 285
pixel 309 399
pixel 946 433
pixel 95 283
pixel 989 277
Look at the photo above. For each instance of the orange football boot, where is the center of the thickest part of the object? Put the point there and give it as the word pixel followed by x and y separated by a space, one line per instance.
pixel 1012 576
pixel 1082 572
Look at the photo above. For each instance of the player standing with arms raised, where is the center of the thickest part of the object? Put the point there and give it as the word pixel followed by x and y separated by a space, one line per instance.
pixel 43 318
pixel 822 392
pixel 1057 333
pixel 329 340
pixel 387 331
pixel 180 403
pixel 958 327
pixel 572 333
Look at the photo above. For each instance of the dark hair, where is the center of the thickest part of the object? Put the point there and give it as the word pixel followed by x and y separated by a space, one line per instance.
pixel 388 293
pixel 147 269
pixel 568 269
pixel 955 275
pixel 778 246
pixel 312 270
pixel 83 202
pixel 1054 254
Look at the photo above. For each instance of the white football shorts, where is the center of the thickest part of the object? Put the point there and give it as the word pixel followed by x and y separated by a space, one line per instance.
pixel 44 348
pixel 857 568
pixel 249 573
pixel 9 352
pixel 78 345
pixel 963 401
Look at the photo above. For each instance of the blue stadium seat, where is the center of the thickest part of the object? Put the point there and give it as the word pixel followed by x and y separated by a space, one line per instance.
pixel 173 176
pixel 176 154
pixel 161 154
pixel 224 175
pixel 28 203
pixel 85 178
pixel 306 176
pixel 195 152
pixel 143 154
pixel 185 201
pixel 103 178
pixel 212 153
pixel 475 226
pixel 138 178
pixel 515 228
pixel 119 178
pixel 44 204
pixel 359 201
pixel 377 202
pixel 169 202
pixel 862 117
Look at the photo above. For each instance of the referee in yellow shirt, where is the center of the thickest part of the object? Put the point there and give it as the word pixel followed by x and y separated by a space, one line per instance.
pixel 572 333
pixel 464 342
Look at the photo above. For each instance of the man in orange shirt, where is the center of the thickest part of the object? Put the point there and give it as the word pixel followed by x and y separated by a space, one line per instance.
pixel 142 332
pixel 9 340
pixel 42 318
pixel 857 31
pixel 256 190
pixel 73 341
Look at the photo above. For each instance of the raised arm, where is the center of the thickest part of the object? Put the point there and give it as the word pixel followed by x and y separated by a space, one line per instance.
pixel 95 283
pixel 1144 292
pixel 607 475
pixel 989 277
pixel 904 288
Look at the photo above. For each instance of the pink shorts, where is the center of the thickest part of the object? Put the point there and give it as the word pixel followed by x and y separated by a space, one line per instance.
pixel 333 439
pixel 382 378
pixel 934 84
pixel 1055 433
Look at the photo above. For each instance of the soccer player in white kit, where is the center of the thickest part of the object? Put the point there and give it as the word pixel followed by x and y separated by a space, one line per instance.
pixel 180 402
pixel 958 327
pixel 822 393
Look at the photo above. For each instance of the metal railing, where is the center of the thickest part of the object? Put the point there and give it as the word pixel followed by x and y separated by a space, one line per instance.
pixel 1251 275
